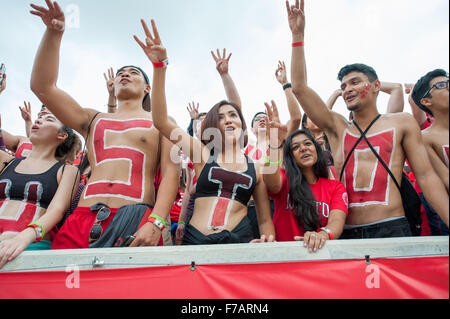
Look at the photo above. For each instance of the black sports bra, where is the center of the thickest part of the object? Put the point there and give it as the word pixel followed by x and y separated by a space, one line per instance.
pixel 215 181
pixel 36 189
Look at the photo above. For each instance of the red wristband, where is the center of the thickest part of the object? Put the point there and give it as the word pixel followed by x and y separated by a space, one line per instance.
pixel 330 234
pixel 298 44
pixel 158 65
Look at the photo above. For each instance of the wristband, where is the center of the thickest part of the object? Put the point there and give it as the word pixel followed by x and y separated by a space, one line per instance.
pixel 267 161
pixel 162 64
pixel 39 230
pixel 298 44
pixel 157 221
pixel 327 230
pixel 286 86
pixel 182 223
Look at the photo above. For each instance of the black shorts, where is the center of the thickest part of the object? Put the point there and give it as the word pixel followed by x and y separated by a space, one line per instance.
pixel 242 233
pixel 394 228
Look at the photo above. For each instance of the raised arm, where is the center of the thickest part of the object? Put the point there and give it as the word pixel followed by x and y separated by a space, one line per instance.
pixel 157 53
pixel 26 115
pixel 310 101
pixel 46 67
pixel 11 141
pixel 112 100
pixel 396 102
pixel 333 98
pixel 3 82
pixel 222 65
pixel 418 114
pixel 276 136
pixel 294 110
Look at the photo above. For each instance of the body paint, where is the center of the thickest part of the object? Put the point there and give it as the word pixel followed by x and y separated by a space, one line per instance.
pixel 133 188
pixel 228 182
pixel 376 190
pixel 445 150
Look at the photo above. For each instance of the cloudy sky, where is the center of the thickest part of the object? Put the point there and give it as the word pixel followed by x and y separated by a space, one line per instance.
pixel 401 39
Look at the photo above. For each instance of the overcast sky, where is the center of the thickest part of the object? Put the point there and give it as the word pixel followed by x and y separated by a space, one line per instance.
pixel 401 39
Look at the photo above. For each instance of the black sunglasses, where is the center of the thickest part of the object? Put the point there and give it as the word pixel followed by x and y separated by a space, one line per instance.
pixel 97 230
pixel 439 86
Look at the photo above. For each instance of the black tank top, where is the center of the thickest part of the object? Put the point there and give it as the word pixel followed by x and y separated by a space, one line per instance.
pixel 36 189
pixel 215 181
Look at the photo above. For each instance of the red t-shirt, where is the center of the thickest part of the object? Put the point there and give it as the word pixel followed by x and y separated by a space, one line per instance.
pixel 330 195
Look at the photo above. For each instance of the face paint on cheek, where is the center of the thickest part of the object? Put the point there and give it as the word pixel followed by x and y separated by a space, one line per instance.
pixel 365 92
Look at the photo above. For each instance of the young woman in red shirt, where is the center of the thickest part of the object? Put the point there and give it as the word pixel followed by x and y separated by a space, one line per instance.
pixel 308 205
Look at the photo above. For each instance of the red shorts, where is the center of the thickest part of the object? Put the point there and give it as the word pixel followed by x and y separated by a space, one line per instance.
pixel 74 234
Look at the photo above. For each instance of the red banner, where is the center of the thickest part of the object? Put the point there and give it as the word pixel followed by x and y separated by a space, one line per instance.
pixel 399 278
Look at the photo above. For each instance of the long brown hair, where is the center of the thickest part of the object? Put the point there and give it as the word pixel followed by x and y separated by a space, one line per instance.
pixel 212 121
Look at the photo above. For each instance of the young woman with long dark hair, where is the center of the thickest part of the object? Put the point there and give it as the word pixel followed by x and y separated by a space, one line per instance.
pixel 226 177
pixel 308 205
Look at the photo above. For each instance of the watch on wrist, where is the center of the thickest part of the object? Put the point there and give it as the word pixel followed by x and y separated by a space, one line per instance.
pixel 328 231
pixel 38 231
pixel 161 64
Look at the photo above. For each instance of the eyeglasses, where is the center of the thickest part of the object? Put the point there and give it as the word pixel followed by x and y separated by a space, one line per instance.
pixel 97 230
pixel 439 86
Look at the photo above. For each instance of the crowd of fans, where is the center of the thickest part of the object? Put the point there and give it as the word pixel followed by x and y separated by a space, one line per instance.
pixel 141 180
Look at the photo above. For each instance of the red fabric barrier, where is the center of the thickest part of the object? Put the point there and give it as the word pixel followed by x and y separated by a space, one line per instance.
pixel 399 278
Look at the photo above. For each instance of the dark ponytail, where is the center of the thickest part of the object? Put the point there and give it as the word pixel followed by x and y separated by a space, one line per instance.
pixel 66 146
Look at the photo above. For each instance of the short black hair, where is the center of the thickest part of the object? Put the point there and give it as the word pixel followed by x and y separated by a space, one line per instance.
pixel 147 101
pixel 358 67
pixel 254 117
pixel 423 85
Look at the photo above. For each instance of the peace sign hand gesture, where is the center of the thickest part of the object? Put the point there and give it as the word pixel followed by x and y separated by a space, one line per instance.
pixel 221 62
pixel 152 47
pixel 296 17
pixel 53 17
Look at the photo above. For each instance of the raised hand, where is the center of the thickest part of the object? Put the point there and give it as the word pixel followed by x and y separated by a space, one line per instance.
pixel 276 132
pixel 110 81
pixel 193 111
pixel 296 16
pixel 53 17
pixel 222 62
pixel 3 86
pixel 408 88
pixel 281 74
pixel 26 111
pixel 152 47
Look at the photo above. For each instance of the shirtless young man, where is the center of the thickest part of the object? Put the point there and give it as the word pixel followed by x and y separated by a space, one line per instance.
pixel 431 95
pixel 375 204
pixel 124 148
